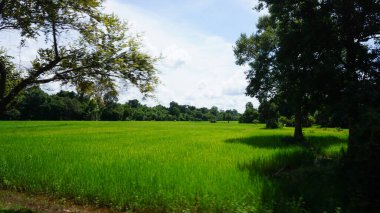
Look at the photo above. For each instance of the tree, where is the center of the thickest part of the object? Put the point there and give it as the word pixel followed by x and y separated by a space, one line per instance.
pixel 272 73
pixel 99 54
pixel 213 114
pixel 250 114
pixel 269 114
pixel 174 110
pixel 325 54
pixel 292 56
pixel 357 27
pixel 34 104
pixel 228 116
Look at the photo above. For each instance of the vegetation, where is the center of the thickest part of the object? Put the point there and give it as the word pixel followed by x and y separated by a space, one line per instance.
pixel 309 62
pixel 174 166
pixel 323 55
pixel 35 104
pixel 250 115
pixel 100 52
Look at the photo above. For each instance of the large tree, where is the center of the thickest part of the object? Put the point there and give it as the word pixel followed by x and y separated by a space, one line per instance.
pixel 332 48
pixel 279 59
pixel 86 48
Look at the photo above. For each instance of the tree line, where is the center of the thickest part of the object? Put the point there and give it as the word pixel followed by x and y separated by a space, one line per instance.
pixel 35 104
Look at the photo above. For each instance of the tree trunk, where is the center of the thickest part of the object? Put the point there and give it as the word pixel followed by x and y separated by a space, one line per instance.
pixel 362 168
pixel 3 81
pixel 298 135
pixel 2 110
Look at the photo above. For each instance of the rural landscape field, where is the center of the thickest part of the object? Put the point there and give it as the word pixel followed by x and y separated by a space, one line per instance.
pixel 171 166
pixel 254 106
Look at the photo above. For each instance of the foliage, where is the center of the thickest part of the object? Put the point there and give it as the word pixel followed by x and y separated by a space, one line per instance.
pixel 269 114
pixel 88 49
pixel 35 104
pixel 250 114
pixel 286 121
pixel 322 55
pixel 309 121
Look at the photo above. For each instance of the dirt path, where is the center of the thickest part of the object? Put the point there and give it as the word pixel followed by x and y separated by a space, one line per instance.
pixel 11 201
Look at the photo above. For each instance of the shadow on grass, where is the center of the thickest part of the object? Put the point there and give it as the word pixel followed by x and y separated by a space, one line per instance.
pixel 278 141
pixel 296 180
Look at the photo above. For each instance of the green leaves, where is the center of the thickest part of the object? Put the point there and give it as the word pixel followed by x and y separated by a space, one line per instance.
pixel 88 47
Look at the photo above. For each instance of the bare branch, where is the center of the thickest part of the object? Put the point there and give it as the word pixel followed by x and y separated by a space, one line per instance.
pixel 8 27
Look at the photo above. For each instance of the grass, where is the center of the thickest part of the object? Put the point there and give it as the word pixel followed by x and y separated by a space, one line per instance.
pixel 172 166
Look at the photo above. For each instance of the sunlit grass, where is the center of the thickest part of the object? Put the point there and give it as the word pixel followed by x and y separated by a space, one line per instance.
pixel 169 166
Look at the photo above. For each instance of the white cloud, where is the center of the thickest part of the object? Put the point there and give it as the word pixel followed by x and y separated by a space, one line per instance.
pixel 174 57
pixel 197 68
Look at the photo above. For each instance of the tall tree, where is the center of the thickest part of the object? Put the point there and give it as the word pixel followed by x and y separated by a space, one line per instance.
pixel 328 50
pixel 273 70
pixel 88 49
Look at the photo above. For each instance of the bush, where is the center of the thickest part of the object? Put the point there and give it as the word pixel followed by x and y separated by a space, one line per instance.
pixel 286 121
pixel 308 121
pixel 255 121
pixel 272 124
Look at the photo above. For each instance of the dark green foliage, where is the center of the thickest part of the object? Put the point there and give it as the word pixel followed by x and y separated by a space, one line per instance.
pixel 286 121
pixel 324 56
pixel 212 120
pixel 250 114
pixel 308 121
pixel 331 118
pixel 35 104
pixel 269 114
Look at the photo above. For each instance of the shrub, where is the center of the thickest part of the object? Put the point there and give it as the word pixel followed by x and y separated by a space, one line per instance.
pixel 286 121
pixel 309 121
pixel 272 124
pixel 255 121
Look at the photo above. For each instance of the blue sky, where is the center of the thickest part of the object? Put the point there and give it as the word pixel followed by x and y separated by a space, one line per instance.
pixel 227 18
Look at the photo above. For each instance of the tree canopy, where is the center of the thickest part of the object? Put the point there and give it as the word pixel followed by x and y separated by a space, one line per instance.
pixel 324 55
pixel 87 49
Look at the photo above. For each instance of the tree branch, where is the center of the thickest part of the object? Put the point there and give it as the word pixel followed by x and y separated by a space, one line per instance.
pixel 8 27
pixel 59 76
pixel 26 82
pixel 55 43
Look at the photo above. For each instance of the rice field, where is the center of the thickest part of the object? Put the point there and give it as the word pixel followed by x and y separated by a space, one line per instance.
pixel 172 166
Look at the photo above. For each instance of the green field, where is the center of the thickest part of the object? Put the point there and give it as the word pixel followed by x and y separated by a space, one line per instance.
pixel 172 166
